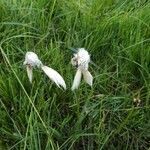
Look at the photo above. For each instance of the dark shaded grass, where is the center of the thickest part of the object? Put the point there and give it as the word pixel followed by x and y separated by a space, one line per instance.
pixel 116 33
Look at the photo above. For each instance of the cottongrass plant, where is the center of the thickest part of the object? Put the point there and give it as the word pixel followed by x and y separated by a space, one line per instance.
pixel 81 61
pixel 115 113
pixel 32 61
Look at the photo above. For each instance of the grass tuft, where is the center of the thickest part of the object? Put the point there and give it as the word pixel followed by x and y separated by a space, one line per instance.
pixel 114 113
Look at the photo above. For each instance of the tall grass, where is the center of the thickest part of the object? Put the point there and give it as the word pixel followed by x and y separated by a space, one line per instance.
pixel 41 116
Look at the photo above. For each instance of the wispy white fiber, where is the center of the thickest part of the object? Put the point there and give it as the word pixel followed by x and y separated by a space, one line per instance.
pixel 32 60
pixel 81 61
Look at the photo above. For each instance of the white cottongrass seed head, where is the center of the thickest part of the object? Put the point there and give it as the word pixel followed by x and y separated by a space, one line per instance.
pixel 32 60
pixel 81 61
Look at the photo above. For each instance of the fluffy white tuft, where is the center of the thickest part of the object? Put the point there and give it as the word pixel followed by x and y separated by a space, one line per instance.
pixel 32 59
pixel 54 76
pixel 83 54
pixel 88 77
pixel 29 72
pixel 77 79
pixel 83 58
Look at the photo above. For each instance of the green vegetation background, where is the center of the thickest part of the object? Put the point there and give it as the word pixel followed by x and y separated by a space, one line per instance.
pixel 43 117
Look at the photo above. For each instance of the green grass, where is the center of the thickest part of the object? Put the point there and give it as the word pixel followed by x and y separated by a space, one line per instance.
pixel 43 117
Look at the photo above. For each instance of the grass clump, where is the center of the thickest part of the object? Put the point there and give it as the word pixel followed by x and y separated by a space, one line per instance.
pixel 41 116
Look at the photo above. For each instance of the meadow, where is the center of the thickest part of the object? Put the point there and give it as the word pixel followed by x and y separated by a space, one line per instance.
pixel 112 115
